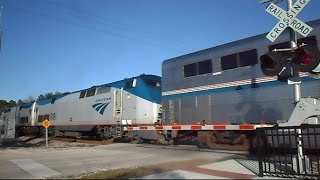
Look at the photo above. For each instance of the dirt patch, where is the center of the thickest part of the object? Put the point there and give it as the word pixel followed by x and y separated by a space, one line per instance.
pixel 135 172
pixel 33 142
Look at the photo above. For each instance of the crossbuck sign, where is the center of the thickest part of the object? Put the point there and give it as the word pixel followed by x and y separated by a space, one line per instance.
pixel 288 18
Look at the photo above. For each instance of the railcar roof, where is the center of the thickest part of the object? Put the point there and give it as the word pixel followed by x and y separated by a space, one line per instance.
pixel 118 84
pixel 230 44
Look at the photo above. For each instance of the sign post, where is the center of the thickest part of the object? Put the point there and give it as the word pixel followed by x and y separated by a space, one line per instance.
pixel 46 124
pixel 287 19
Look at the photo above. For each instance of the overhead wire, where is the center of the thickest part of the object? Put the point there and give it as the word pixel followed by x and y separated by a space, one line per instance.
pixel 99 29
pixel 80 13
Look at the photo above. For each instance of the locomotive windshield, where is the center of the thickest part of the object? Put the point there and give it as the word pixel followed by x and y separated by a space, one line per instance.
pixel 152 82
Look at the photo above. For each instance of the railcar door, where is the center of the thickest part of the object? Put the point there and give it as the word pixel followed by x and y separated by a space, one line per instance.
pixel 118 112
pixel 17 115
pixel 118 104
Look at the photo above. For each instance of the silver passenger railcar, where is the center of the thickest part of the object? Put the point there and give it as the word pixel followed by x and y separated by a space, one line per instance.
pixel 225 85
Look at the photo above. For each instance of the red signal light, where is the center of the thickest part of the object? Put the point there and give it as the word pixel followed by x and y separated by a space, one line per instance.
pixel 307 57
pixel 303 58
pixel 268 63
pixel 272 63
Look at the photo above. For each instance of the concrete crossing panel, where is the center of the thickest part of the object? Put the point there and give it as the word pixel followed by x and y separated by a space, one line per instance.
pixel 35 169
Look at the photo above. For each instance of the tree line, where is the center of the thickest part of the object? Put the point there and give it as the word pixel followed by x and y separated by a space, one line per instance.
pixel 7 104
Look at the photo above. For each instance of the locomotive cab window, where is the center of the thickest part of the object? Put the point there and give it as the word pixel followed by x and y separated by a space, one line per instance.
pixel 241 59
pixel 152 82
pixel 46 117
pixel 53 100
pixel 91 92
pixel 102 90
pixel 130 84
pixel 40 118
pixel 199 68
pixel 24 120
pixel 82 94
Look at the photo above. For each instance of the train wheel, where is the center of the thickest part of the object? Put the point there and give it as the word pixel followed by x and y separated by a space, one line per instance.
pixel 220 140
pixel 135 140
pixel 201 145
pixel 241 143
pixel 201 140
pixel 161 139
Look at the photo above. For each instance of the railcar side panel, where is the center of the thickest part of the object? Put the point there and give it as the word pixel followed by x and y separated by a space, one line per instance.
pixel 230 95
pixel 135 100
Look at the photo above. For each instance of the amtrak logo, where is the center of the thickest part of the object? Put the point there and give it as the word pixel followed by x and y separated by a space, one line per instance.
pixel 100 107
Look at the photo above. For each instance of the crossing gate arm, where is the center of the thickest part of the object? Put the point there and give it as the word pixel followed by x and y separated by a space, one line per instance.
pixel 196 127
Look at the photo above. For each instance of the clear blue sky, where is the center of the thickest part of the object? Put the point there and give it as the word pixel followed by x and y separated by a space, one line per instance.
pixel 68 45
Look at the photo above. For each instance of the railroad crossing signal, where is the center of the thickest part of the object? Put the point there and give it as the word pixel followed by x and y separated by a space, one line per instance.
pixel 306 58
pixel 288 19
pixel 46 123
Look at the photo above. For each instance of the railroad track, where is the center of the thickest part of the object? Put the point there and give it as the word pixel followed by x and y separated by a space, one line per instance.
pixel 190 148
pixel 150 145
pixel 87 141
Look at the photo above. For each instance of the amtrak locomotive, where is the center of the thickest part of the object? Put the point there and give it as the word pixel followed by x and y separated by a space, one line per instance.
pixel 96 111
pixel 214 98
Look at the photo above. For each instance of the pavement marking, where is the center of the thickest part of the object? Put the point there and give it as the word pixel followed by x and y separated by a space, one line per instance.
pixel 226 174
pixel 35 169
pixel 179 174
pixel 230 165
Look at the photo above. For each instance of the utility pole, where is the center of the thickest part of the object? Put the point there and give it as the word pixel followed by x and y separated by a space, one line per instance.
pixel 1 27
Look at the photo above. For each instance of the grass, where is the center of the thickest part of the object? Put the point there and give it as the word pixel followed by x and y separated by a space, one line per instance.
pixel 135 172
pixel 123 173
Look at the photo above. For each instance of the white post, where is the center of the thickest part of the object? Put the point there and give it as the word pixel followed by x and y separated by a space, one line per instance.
pixel 47 137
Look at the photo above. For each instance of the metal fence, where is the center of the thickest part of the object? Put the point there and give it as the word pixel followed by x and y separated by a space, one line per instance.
pixel 289 151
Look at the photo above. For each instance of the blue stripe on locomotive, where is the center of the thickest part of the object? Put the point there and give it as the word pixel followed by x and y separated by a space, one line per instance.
pixel 152 94
pixel 49 100
pixel 231 88
pixel 26 105
pixel 142 90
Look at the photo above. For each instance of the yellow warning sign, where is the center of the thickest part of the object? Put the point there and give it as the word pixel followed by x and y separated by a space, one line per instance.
pixel 46 123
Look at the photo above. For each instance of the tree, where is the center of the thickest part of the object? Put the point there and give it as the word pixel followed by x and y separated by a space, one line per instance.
pixel 49 95
pixel 30 99
pixel 20 102
pixel 12 103
pixel 5 104
pixel 40 97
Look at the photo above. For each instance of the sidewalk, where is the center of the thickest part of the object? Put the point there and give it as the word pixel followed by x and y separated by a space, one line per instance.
pixel 229 169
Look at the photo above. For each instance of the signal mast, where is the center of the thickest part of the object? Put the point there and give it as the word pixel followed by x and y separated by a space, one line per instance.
pixel 287 63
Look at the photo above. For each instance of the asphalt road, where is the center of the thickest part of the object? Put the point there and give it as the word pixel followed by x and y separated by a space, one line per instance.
pixel 40 162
